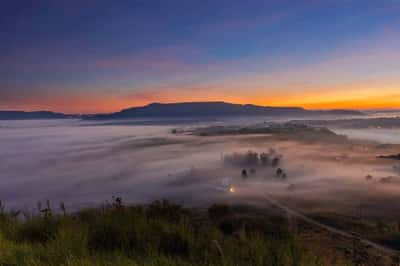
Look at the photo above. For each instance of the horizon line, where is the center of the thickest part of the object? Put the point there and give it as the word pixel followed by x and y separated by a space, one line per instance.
pixel 214 101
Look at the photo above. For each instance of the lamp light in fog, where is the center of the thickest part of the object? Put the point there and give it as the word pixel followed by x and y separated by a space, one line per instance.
pixel 232 190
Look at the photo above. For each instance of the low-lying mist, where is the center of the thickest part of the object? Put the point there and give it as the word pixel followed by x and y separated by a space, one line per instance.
pixel 84 164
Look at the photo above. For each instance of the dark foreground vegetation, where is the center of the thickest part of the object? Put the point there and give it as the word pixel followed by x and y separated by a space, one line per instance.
pixel 158 234
pixel 382 231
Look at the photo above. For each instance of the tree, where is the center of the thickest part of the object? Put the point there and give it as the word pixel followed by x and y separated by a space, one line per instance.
pixel 264 158
pixel 244 173
pixel 279 172
pixel 275 162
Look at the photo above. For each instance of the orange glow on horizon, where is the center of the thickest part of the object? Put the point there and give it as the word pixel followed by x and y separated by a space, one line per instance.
pixel 331 102
pixel 106 104
pixel 86 107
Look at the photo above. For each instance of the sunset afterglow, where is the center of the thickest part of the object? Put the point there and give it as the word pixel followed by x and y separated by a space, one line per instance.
pixel 107 57
pixel 200 132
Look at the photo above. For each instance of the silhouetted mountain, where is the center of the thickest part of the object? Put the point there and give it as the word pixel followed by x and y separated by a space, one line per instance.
pixel 21 115
pixel 186 109
pixel 190 109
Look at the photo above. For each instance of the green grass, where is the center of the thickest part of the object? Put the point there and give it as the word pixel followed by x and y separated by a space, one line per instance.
pixel 159 234
pixel 385 232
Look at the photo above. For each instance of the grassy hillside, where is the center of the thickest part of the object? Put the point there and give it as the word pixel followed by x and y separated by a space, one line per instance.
pixel 158 234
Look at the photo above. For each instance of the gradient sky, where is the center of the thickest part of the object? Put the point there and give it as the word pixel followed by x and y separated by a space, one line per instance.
pixel 100 56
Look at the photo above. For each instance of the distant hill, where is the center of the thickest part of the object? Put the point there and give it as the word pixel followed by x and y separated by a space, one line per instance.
pixel 186 109
pixel 21 115
pixel 190 109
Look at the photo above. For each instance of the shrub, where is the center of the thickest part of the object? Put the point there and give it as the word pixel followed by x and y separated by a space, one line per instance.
pixel 216 212
pixel 174 244
pixel 37 230
pixel 166 210
pixel 227 227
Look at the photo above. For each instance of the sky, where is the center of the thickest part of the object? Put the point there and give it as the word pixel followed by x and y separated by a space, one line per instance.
pixel 94 56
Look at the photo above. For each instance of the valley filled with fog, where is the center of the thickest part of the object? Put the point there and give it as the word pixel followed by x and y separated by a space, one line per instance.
pixel 84 163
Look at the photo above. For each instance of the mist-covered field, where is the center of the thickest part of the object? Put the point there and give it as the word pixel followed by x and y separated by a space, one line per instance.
pixel 85 163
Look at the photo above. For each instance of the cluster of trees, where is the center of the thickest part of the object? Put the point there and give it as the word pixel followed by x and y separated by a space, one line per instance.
pixel 252 159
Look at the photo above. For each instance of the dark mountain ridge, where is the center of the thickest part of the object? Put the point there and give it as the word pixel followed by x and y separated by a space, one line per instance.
pixel 184 109
pixel 188 109
pixel 22 115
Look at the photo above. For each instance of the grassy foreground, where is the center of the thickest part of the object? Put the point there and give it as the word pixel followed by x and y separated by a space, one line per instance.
pixel 158 234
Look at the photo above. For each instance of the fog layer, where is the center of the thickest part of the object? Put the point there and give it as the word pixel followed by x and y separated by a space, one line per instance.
pixel 85 164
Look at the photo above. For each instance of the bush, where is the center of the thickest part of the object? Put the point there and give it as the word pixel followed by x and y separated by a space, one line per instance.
pixel 174 244
pixel 166 210
pixel 116 230
pixel 37 230
pixel 227 227
pixel 216 212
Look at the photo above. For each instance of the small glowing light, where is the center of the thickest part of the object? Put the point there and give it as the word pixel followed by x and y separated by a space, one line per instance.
pixel 232 189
